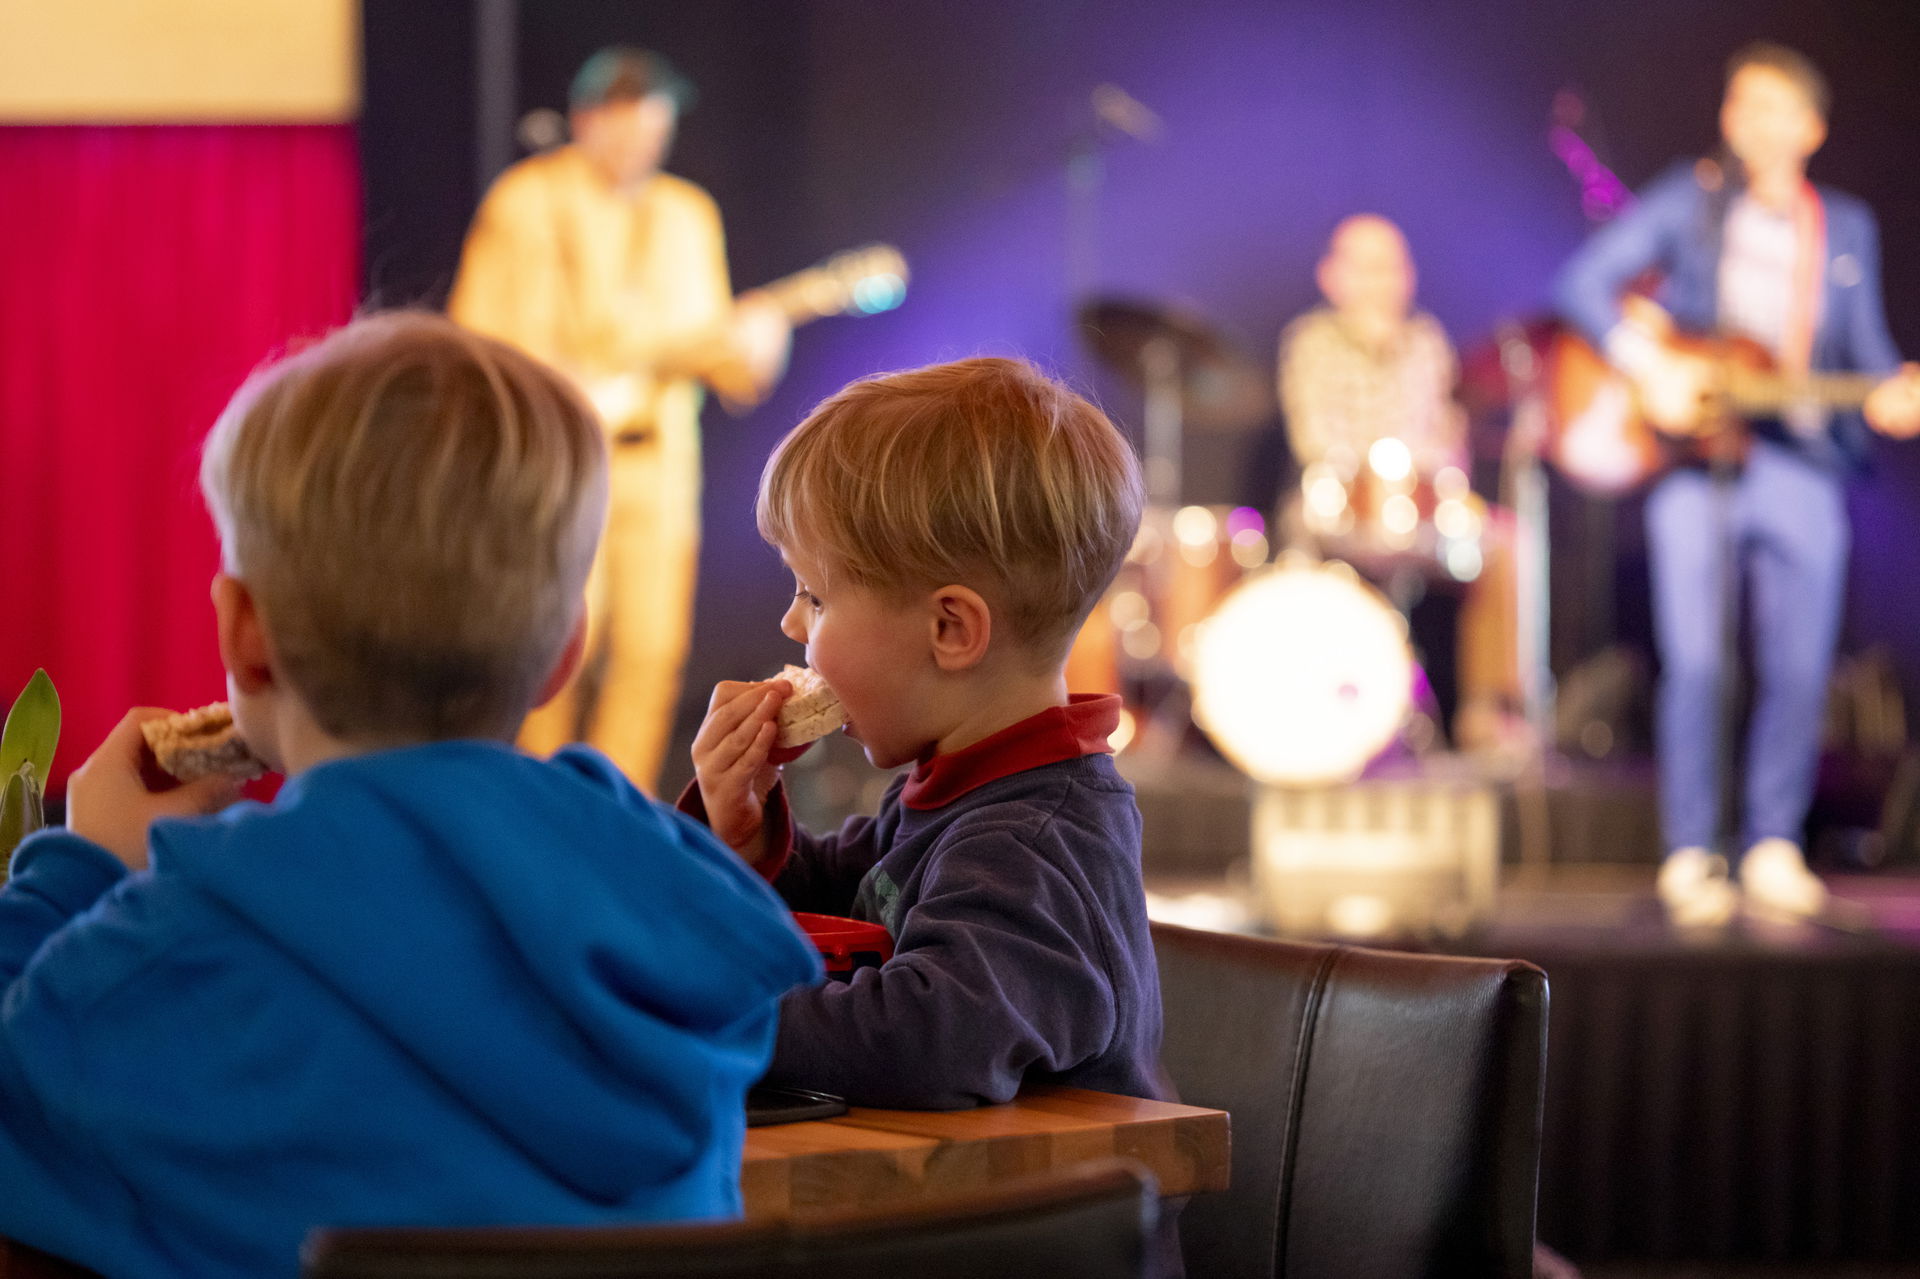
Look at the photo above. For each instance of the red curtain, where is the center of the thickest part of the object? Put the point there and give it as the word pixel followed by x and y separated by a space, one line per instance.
pixel 144 271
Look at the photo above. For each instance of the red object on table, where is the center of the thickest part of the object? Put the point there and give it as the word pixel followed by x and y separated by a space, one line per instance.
pixel 846 944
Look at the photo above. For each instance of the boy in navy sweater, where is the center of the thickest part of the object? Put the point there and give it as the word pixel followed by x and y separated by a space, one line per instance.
pixel 436 981
pixel 948 530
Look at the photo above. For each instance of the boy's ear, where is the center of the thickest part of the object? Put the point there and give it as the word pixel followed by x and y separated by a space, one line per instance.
pixel 244 649
pixel 962 627
pixel 568 664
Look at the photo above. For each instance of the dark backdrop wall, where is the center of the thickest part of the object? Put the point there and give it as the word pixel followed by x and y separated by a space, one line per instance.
pixel 947 129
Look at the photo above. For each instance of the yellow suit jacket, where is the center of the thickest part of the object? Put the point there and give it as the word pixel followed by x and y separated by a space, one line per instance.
pixel 624 292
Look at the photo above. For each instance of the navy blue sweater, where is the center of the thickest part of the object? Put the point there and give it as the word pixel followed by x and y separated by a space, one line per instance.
pixel 1021 951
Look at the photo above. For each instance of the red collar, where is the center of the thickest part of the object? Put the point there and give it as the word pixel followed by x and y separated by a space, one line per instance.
pixel 1081 727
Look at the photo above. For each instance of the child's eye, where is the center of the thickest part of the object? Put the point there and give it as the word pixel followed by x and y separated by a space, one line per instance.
pixel 813 601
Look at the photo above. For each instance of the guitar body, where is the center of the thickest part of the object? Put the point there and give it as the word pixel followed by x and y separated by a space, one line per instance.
pixel 1597 435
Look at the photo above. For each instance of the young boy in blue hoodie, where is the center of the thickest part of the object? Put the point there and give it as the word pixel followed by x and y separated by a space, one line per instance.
pixel 436 981
pixel 948 530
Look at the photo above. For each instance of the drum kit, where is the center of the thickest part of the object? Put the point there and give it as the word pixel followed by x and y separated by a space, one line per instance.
pixel 1274 636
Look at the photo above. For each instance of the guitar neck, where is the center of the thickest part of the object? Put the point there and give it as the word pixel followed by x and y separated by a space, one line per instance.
pixel 805 296
pixel 1773 393
pixel 861 281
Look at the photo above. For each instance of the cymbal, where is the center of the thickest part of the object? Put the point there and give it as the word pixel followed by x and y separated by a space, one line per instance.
pixel 1221 387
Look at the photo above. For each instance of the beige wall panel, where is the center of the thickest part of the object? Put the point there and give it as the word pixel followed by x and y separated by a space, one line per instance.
pixel 160 61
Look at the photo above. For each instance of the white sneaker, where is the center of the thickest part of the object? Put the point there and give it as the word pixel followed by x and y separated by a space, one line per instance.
pixel 1777 880
pixel 1694 887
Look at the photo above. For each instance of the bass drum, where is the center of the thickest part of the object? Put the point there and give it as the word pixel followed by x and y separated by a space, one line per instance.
pixel 1302 675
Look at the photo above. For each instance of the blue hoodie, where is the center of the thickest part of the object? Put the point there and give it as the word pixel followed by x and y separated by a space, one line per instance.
pixel 444 985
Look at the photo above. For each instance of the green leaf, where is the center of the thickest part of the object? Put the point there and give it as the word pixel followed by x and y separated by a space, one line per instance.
pixel 33 730
pixel 15 803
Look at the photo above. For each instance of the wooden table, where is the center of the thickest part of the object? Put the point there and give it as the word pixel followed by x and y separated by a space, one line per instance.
pixel 868 1155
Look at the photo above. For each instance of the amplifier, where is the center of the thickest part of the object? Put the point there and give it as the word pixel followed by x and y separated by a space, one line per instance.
pixel 1376 858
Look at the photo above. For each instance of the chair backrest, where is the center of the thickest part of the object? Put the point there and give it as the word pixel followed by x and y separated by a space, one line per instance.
pixel 1386 1107
pixel 17 1261
pixel 1095 1219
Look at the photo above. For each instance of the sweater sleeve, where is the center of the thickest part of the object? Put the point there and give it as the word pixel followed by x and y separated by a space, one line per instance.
pixel 64 1194
pixel 56 875
pixel 819 873
pixel 998 970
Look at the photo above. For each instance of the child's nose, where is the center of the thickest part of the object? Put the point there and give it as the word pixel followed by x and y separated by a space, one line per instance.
pixel 793 624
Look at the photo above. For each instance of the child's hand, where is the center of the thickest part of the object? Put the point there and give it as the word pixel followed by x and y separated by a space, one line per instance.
pixel 731 759
pixel 119 791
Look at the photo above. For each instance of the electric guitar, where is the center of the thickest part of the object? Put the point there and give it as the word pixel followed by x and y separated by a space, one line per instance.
pixel 1600 438
pixel 862 281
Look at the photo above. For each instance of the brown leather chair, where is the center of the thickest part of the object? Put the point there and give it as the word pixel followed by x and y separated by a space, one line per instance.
pixel 1092 1220
pixel 1386 1107
pixel 17 1261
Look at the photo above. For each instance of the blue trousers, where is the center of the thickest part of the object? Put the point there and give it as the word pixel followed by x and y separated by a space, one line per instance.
pixel 1789 530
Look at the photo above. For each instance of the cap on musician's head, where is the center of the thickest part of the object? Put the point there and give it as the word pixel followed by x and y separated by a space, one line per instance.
pixel 624 74
pixel 1791 63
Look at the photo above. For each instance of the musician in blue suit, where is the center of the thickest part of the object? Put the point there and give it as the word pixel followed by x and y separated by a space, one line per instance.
pixel 1747 246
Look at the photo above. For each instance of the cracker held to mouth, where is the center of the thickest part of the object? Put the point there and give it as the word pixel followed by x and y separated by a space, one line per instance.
pixel 201 743
pixel 811 712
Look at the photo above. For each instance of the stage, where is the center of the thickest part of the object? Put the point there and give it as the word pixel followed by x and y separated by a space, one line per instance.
pixel 1747 1095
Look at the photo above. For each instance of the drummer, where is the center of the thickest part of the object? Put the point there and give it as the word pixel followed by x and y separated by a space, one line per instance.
pixel 1368 367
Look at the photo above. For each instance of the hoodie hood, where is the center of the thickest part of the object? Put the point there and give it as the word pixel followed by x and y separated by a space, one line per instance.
pixel 582 970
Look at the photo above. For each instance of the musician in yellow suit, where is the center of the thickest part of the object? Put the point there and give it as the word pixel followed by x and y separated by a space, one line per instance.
pixel 592 259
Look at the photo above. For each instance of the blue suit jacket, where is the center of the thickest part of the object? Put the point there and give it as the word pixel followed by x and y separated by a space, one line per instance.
pixel 1676 227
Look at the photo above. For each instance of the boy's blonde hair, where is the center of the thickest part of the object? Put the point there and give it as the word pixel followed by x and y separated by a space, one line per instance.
pixel 415 508
pixel 983 472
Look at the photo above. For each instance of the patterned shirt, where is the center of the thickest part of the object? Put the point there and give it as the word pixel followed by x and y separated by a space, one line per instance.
pixel 1341 394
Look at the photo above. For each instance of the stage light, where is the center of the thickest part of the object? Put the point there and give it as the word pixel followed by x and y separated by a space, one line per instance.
pixel 1463 560
pixel 1123 732
pixel 1249 548
pixel 1456 518
pixel 1399 515
pixel 1198 533
pixel 1244 519
pixel 1141 641
pixel 1302 675
pixel 1451 483
pixel 1195 526
pixel 1326 496
pixel 1390 459
pixel 1127 608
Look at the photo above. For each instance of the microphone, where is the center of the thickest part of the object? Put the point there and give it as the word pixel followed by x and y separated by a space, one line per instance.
pixel 542 129
pixel 1115 106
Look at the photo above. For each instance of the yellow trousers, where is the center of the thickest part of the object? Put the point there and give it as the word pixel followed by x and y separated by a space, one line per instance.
pixel 639 610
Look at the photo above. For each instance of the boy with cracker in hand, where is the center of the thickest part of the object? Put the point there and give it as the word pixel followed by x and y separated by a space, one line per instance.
pixel 948 530
pixel 436 981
